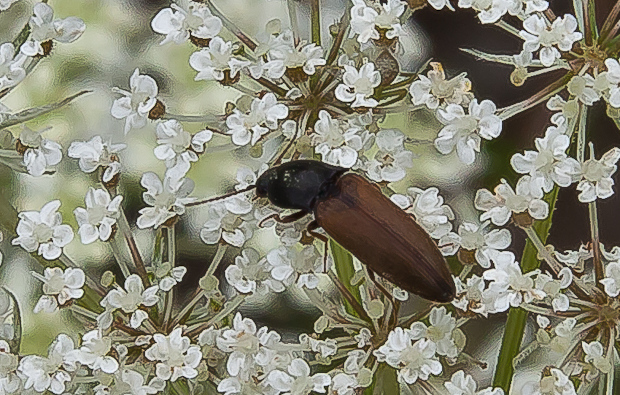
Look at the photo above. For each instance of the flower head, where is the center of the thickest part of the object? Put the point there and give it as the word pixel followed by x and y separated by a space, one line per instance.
pixel 44 28
pixel 135 106
pixel 184 20
pixel 95 153
pixel 39 153
pixel 176 357
pixel 96 221
pixel 59 287
pixel 359 85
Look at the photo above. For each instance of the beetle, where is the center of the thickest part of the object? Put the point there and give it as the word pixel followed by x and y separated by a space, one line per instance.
pixel 357 215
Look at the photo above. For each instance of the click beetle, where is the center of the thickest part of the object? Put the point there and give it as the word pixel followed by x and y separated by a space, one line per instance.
pixel 357 215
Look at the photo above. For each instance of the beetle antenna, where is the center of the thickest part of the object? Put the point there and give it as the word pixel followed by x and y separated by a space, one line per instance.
pixel 222 197
pixel 300 128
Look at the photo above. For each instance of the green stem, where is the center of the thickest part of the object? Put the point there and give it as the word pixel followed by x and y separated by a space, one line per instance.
pixel 171 248
pixel 315 16
pixel 343 261
pixel 517 317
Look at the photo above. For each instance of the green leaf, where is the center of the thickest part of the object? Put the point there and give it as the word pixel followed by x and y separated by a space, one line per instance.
pixel 385 381
pixel 517 317
pixel 343 260
pixel 31 113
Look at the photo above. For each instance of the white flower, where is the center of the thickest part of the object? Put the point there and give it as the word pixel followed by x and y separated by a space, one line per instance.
pixel 131 298
pixel 612 279
pixel 175 355
pixel 94 352
pixel 39 153
pixel 583 88
pixel 476 238
pixel 9 380
pixel 250 274
pixel 499 207
pixel 262 117
pixel 488 11
pixel 169 276
pixel 460 384
pixel 51 373
pixel 44 28
pixel 298 380
pixel 290 265
pixel 135 106
pixel 43 231
pixel 95 153
pixel 557 383
pixel 130 382
pixel 440 4
pixel 428 209
pixel 470 296
pixel 594 356
pixel 552 288
pixel 337 142
pixel 217 61
pixel 560 34
pixel 463 131
pixel 414 360
pixel 613 77
pixel 176 144
pixel 99 216
pixel 509 286
pixel 5 4
pixel 343 384
pixel 434 90
pixel 231 220
pixel 596 181
pixel 168 199
pixel 11 65
pixel 284 54
pixel 59 287
pixel 550 164
pixel 184 19
pixel 358 86
pixel 392 158
pixel 439 332
pixel 386 16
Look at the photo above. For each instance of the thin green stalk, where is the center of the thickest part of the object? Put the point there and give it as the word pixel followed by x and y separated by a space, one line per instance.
pixel 343 261
pixel 171 248
pixel 315 20
pixel 118 256
pixel 517 317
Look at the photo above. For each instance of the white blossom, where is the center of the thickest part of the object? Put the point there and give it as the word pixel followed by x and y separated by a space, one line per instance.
pixel 9 380
pixel 613 77
pixel 338 142
pixel 366 21
pixel 428 209
pixel 169 276
pixel 549 164
pixel 59 287
pixel 499 207
pixel 284 54
pixel 358 86
pixel 291 265
pixel 251 274
pixel 168 199
pixel 94 352
pixel 43 28
pixel 43 231
pixel 11 65
pixel 392 158
pixel 509 286
pixel 185 19
pixel 99 216
pixel 488 11
pixel 217 61
pixel 476 238
pixel 560 34
pixel 231 220
pixel 176 144
pixel 460 384
pixel 612 279
pixel 584 88
pixel 596 181
pixel 5 4
pixel 552 288
pixel 39 153
pixel 343 384
pixel 176 357
pixel 413 360
pixel 130 382
pixel 95 153
pixel 51 373
pixel 557 383
pixel 470 295
pixel 262 117
pixel 130 299
pixel 297 380
pixel 135 106
pixel 433 90
pixel 463 131
pixel 594 355
pixel 442 325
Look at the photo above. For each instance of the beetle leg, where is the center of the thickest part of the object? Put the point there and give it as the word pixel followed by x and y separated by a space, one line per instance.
pixel 311 231
pixel 283 220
